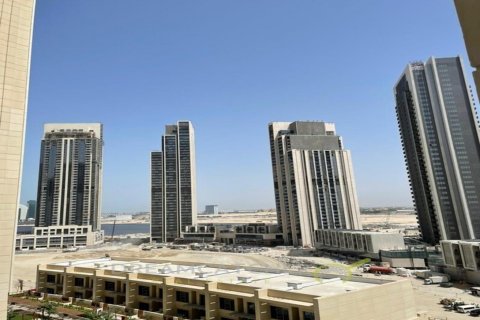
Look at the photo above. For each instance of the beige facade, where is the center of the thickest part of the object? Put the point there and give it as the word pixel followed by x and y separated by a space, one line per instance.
pixel 16 23
pixel 163 290
pixel 313 180
pixel 469 15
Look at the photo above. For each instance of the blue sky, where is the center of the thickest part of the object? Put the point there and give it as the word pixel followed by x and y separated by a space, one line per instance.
pixel 231 67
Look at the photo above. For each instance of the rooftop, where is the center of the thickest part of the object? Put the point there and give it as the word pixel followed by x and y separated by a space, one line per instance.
pixel 319 285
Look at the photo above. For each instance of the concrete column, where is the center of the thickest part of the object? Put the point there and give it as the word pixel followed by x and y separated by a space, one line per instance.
pixel 261 308
pixel 168 296
pixel 316 308
pixel 130 290
pixel 68 282
pixel 210 301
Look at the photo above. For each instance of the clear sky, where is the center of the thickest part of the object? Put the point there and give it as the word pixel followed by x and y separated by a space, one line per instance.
pixel 231 67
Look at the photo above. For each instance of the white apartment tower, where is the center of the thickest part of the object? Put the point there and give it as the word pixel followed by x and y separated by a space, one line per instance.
pixel 173 183
pixel 16 27
pixel 70 175
pixel 313 180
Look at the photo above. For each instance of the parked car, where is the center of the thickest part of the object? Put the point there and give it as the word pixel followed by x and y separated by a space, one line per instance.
pixel 475 312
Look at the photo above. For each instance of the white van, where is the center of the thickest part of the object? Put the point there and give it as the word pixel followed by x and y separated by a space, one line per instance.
pixel 466 308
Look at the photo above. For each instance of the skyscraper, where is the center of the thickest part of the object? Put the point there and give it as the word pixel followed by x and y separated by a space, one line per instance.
pixel 440 137
pixel 16 26
pixel 313 180
pixel 173 184
pixel 469 15
pixel 70 175
pixel 32 209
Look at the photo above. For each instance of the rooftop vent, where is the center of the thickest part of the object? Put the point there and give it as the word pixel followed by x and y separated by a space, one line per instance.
pixel 295 285
pixel 202 274
pixel 245 279
pixel 100 265
pixel 129 268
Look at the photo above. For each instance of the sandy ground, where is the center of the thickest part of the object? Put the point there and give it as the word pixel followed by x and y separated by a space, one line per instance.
pixel 225 218
pixel 394 218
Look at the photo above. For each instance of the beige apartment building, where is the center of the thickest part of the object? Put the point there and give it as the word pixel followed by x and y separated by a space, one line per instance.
pixel 469 15
pixel 164 290
pixel 16 23
pixel 313 180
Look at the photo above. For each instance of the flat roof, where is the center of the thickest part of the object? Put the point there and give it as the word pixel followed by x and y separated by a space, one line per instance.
pixel 320 285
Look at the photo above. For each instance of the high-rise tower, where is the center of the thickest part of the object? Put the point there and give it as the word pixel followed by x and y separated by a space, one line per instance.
pixel 173 184
pixel 313 180
pixel 70 175
pixel 16 26
pixel 440 137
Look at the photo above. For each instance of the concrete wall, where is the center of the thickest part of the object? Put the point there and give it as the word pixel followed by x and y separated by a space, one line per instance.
pixel 16 24
pixel 393 301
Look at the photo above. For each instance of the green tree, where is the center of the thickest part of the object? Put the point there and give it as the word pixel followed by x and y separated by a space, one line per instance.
pixel 104 315
pixel 10 314
pixel 47 308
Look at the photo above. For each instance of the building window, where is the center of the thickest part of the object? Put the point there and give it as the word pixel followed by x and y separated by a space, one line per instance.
pixel 143 291
pixel 250 308
pixel 79 282
pixel 181 296
pixel 50 278
pixel 143 306
pixel 109 286
pixel 202 299
pixel 278 313
pixel 227 304
pixel 109 300
pixel 182 313
pixel 308 315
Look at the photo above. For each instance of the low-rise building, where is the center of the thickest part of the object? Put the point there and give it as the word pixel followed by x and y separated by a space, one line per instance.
pixel 211 209
pixel 163 290
pixel 54 237
pixel 255 234
pixel 357 241
pixel 462 259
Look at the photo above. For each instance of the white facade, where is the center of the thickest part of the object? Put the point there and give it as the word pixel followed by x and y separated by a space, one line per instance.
pixel 358 241
pixel 54 237
pixel 461 254
pixel 22 212
pixel 313 180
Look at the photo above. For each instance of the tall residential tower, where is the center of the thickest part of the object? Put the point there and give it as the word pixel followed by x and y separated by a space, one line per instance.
pixel 440 137
pixel 16 26
pixel 173 183
pixel 313 180
pixel 70 176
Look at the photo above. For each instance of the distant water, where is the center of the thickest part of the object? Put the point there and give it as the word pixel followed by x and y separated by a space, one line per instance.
pixel 126 228
pixel 120 229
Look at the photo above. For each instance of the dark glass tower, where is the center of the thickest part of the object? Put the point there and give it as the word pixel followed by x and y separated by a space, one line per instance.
pixel 173 185
pixel 440 137
pixel 70 176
